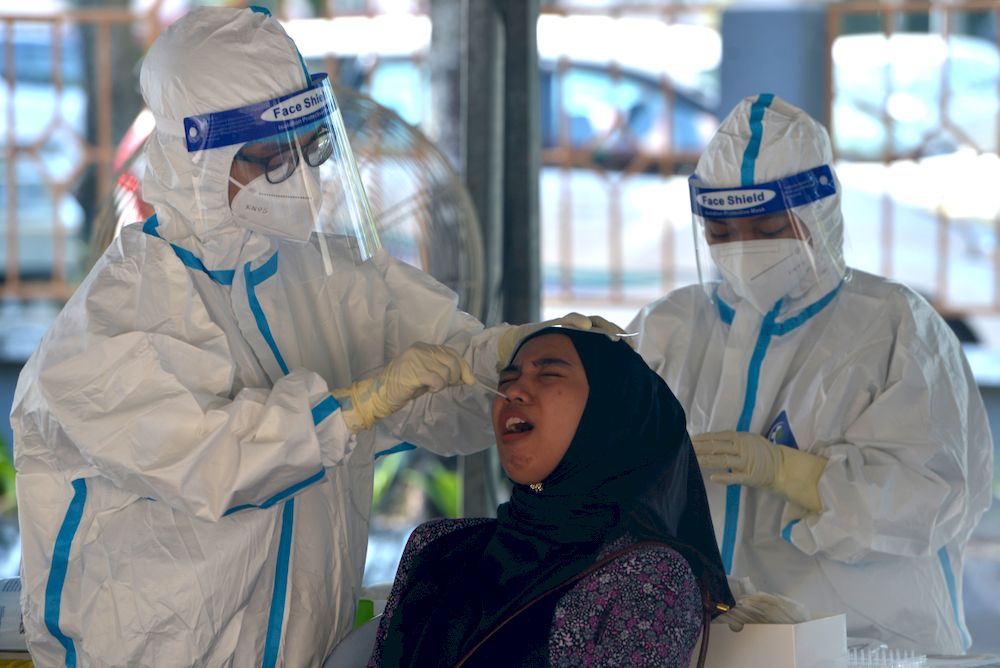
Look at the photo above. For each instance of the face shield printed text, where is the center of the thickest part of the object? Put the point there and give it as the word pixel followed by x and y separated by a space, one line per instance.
pixel 736 203
pixel 735 199
pixel 296 107
pixel 261 120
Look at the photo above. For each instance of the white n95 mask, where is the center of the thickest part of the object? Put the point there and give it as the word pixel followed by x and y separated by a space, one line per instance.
pixel 287 210
pixel 764 271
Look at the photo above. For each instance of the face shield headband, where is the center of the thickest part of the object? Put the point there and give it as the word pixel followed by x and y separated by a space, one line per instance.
pixel 762 199
pixel 279 116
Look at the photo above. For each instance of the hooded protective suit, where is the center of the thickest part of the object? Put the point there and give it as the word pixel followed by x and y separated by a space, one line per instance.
pixel 189 493
pixel 847 366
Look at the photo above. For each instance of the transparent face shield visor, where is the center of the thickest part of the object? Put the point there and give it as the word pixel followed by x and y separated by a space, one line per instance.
pixel 293 173
pixel 754 242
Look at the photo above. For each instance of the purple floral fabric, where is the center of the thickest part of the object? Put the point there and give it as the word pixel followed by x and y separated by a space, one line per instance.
pixel 642 609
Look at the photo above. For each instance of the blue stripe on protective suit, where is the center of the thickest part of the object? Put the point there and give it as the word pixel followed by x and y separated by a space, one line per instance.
pixel 733 492
pixel 769 328
pixel 726 312
pixel 782 328
pixel 57 571
pixel 320 412
pixel 949 578
pixel 399 447
pixel 222 276
pixel 325 409
pixel 276 617
pixel 786 533
pixel 756 134
pixel 280 496
pixel 255 277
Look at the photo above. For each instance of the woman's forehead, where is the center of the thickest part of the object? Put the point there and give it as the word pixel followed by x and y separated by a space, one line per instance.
pixel 549 345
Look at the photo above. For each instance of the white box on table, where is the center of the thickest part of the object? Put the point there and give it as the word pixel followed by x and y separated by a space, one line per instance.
pixel 819 643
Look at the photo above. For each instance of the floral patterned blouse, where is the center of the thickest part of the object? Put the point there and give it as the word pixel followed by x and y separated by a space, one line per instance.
pixel 642 609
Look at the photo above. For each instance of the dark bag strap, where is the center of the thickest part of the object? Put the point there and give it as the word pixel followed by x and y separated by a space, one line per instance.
pixel 562 586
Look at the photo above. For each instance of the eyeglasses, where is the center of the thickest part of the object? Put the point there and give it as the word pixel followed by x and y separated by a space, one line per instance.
pixel 281 164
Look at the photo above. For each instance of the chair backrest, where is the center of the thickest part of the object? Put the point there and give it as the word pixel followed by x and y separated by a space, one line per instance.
pixel 356 648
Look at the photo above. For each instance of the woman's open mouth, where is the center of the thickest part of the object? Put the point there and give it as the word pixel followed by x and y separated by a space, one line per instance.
pixel 515 428
pixel 517 425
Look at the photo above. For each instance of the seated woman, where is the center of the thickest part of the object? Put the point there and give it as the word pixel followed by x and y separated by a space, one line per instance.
pixel 605 554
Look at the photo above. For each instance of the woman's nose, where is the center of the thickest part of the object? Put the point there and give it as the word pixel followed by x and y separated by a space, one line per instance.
pixel 516 391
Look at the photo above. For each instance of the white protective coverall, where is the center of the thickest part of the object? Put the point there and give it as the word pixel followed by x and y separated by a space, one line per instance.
pixel 852 367
pixel 189 494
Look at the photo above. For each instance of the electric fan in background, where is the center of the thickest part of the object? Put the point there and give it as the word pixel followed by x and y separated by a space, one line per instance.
pixel 422 210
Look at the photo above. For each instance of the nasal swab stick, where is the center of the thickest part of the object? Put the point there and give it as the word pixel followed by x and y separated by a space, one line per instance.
pixel 491 389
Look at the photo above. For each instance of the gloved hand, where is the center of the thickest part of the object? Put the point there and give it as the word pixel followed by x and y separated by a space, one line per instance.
pixel 742 458
pixel 615 332
pixel 421 368
pixel 510 339
pixel 763 608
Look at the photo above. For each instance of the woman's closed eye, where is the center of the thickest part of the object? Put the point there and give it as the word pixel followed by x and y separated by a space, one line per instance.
pixel 718 232
pixel 772 231
pixel 545 374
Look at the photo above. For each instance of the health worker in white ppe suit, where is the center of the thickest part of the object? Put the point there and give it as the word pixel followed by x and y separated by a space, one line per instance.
pixel 194 436
pixel 833 410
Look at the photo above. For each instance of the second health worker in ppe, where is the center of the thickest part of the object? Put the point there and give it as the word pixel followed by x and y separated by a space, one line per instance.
pixel 832 409
pixel 193 436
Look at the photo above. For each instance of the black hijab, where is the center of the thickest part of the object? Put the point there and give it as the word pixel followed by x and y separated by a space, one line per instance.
pixel 629 469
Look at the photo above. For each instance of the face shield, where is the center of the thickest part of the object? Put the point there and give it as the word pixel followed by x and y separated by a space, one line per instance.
pixel 292 172
pixel 761 240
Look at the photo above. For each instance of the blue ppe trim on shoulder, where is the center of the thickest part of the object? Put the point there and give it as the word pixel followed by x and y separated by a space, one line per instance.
pixel 325 409
pixel 786 326
pixel 756 133
pixel 786 533
pixel 189 259
pixel 255 277
pixel 399 447
pixel 726 312
pixel 949 578
pixel 276 618
pixel 762 198
pixel 149 227
pixel 287 114
pixel 280 496
pixel 60 563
